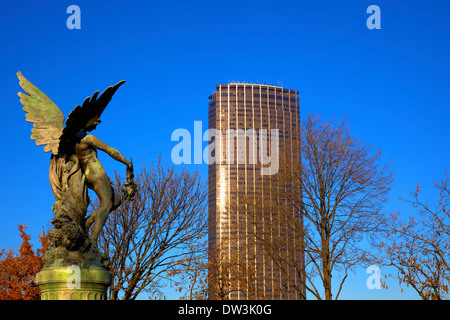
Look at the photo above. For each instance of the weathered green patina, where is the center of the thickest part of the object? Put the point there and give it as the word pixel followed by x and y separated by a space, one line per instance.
pixel 73 284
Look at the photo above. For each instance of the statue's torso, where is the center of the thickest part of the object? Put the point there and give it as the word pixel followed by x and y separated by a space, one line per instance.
pixel 88 159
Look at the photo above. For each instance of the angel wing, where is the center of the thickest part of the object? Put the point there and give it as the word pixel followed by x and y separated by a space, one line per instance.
pixel 92 108
pixel 47 118
pixel 82 116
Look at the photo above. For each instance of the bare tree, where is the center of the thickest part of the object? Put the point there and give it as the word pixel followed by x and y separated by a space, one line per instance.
pixel 419 249
pixel 146 237
pixel 325 204
pixel 190 275
pixel 212 275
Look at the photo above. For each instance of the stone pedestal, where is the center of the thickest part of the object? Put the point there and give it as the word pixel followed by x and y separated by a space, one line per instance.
pixel 73 283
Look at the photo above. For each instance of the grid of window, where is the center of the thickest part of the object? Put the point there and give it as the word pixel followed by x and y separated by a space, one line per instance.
pixel 238 106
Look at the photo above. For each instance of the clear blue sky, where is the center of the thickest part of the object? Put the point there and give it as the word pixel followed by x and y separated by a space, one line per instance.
pixel 392 84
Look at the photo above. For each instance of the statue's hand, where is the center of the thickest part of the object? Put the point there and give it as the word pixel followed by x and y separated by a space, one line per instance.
pixel 130 168
pixel 130 172
pixel 129 189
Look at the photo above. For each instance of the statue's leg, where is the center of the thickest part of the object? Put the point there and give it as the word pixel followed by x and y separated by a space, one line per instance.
pixel 117 201
pixel 89 221
pixel 105 194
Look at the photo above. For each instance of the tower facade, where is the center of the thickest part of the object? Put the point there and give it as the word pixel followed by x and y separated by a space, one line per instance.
pixel 255 128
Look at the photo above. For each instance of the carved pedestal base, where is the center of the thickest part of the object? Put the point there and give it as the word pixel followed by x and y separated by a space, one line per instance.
pixel 73 283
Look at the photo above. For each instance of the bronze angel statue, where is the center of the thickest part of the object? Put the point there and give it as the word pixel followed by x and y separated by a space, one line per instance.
pixel 74 166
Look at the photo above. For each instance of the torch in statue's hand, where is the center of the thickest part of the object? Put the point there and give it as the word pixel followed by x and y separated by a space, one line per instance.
pixel 129 189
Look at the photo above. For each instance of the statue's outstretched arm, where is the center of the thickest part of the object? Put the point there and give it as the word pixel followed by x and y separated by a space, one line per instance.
pixel 113 153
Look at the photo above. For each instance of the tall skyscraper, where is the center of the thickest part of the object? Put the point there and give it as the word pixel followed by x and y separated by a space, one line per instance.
pixel 256 128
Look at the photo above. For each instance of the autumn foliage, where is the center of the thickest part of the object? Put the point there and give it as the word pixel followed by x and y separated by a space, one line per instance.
pixel 18 269
pixel 419 248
